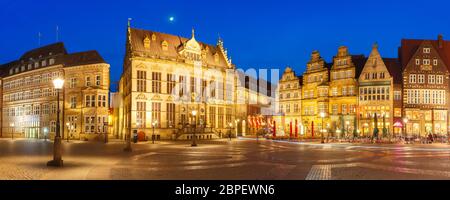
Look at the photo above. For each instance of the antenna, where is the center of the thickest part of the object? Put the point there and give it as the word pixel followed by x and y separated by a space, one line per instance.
pixel 39 39
pixel 57 33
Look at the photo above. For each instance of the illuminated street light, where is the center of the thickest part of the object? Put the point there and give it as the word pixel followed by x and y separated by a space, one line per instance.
pixel 153 134
pixel 68 130
pixel 12 131
pixel 322 115
pixel 194 113
pixel 57 157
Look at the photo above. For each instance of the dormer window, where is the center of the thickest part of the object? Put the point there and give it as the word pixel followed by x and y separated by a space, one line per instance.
pixel 435 62
pixel 153 37
pixel 22 68
pixel 30 66
pixel 52 61
pixel 165 45
pixel 50 53
pixel 36 65
pixel 146 42
pixel 426 50
pixel 44 63
pixel 426 61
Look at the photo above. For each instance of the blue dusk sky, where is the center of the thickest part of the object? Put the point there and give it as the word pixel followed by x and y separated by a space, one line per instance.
pixel 257 34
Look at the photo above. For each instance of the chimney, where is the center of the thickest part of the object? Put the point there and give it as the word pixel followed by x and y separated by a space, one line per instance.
pixel 440 41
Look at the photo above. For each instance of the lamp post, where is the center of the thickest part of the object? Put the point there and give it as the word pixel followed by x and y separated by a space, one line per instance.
pixel 68 130
pixel 45 133
pixel 237 123
pixel 153 133
pixel 194 144
pixel 347 123
pixel 105 124
pixel 322 115
pixel 230 126
pixel 12 131
pixel 57 157
pixel 405 121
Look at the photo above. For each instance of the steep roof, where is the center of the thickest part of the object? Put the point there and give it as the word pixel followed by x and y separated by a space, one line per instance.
pixel 395 69
pixel 55 51
pixel 359 61
pixel 83 58
pixel 44 51
pixel 175 45
pixel 409 47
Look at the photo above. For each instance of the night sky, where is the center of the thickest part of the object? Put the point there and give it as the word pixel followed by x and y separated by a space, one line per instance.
pixel 258 34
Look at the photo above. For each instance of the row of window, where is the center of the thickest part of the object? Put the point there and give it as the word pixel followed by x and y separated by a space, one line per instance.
pixel 31 80
pixel 342 74
pixel 216 88
pixel 431 79
pixel 421 96
pixel 48 77
pixel 31 109
pixel 30 66
pixel 286 108
pixel 376 93
pixel 30 94
pixel 374 75
pixel 426 62
pixel 90 101
pixel 336 109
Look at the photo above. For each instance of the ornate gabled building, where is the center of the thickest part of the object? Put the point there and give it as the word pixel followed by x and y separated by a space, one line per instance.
pixel 166 77
pixel 29 99
pixel 290 105
pixel 376 94
pixel 425 65
pixel 315 99
pixel 343 92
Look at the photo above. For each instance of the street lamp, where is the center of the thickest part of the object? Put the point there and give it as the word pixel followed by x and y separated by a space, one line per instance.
pixel 322 115
pixel 194 113
pixel 57 157
pixel 230 126
pixel 405 121
pixel 153 134
pixel 68 130
pixel 12 131
pixel 347 123
pixel 45 133
pixel 237 123
pixel 105 124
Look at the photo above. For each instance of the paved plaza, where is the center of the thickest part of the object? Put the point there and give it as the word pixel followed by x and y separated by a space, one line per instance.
pixel 223 159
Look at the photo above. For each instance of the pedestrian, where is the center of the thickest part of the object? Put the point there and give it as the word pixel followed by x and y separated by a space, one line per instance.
pixel 229 135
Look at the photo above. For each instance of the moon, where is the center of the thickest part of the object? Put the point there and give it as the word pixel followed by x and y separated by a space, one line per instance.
pixel 171 19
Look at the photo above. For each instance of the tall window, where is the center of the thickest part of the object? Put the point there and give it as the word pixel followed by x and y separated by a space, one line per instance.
pixel 420 78
pixel 182 85
pixel 156 82
pixel 156 113
pixel 140 114
pixel 141 81
pixel 439 79
pixel 88 81
pixel 412 78
pixel 193 85
pixel 221 115
pixel 97 80
pixel 170 83
pixel 170 115
pixel 212 116
pixel 73 102
pixel 344 109
pixel 431 79
pixel 73 82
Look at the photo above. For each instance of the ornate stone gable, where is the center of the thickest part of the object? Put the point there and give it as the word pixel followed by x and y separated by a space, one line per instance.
pixel 374 64
pixel 343 59
pixel 423 60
